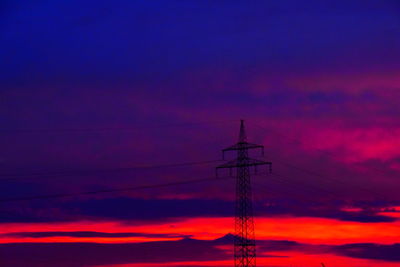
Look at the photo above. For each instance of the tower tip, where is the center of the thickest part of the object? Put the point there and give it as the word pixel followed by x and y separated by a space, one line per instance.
pixel 242 134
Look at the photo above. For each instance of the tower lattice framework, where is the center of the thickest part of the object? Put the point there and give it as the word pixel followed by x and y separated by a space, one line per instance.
pixel 244 240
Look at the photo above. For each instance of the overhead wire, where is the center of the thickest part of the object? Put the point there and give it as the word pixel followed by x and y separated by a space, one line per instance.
pixel 7 177
pixel 136 127
pixel 307 190
pixel 99 171
pixel 331 179
pixel 298 140
pixel 326 178
pixel 114 190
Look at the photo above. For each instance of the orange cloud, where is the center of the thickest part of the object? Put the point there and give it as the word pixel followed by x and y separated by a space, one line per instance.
pixel 305 230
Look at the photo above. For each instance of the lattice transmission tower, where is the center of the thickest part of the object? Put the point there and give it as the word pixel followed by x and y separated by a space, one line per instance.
pixel 244 240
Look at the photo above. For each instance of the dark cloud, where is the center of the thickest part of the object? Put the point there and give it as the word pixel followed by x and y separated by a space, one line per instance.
pixel 87 234
pixel 371 251
pixel 278 245
pixel 127 209
pixel 329 211
pixel 167 209
pixel 91 254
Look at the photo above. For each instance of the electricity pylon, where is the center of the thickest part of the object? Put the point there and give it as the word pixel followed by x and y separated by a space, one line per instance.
pixel 244 241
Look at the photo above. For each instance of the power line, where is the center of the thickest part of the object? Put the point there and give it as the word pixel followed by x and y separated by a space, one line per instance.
pixel 323 152
pixel 124 189
pixel 97 171
pixel 289 184
pixel 314 188
pixel 292 192
pixel 111 129
pixel 62 195
pixel 330 179
pixel 305 170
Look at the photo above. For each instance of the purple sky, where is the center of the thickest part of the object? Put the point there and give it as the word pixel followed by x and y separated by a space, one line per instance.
pixel 89 85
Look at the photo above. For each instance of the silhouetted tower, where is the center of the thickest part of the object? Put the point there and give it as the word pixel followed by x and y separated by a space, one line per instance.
pixel 244 242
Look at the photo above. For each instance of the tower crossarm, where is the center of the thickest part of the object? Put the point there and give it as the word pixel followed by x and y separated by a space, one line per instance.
pixel 242 147
pixel 247 162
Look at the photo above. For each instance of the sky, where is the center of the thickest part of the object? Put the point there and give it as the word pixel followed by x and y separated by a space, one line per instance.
pixel 114 113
